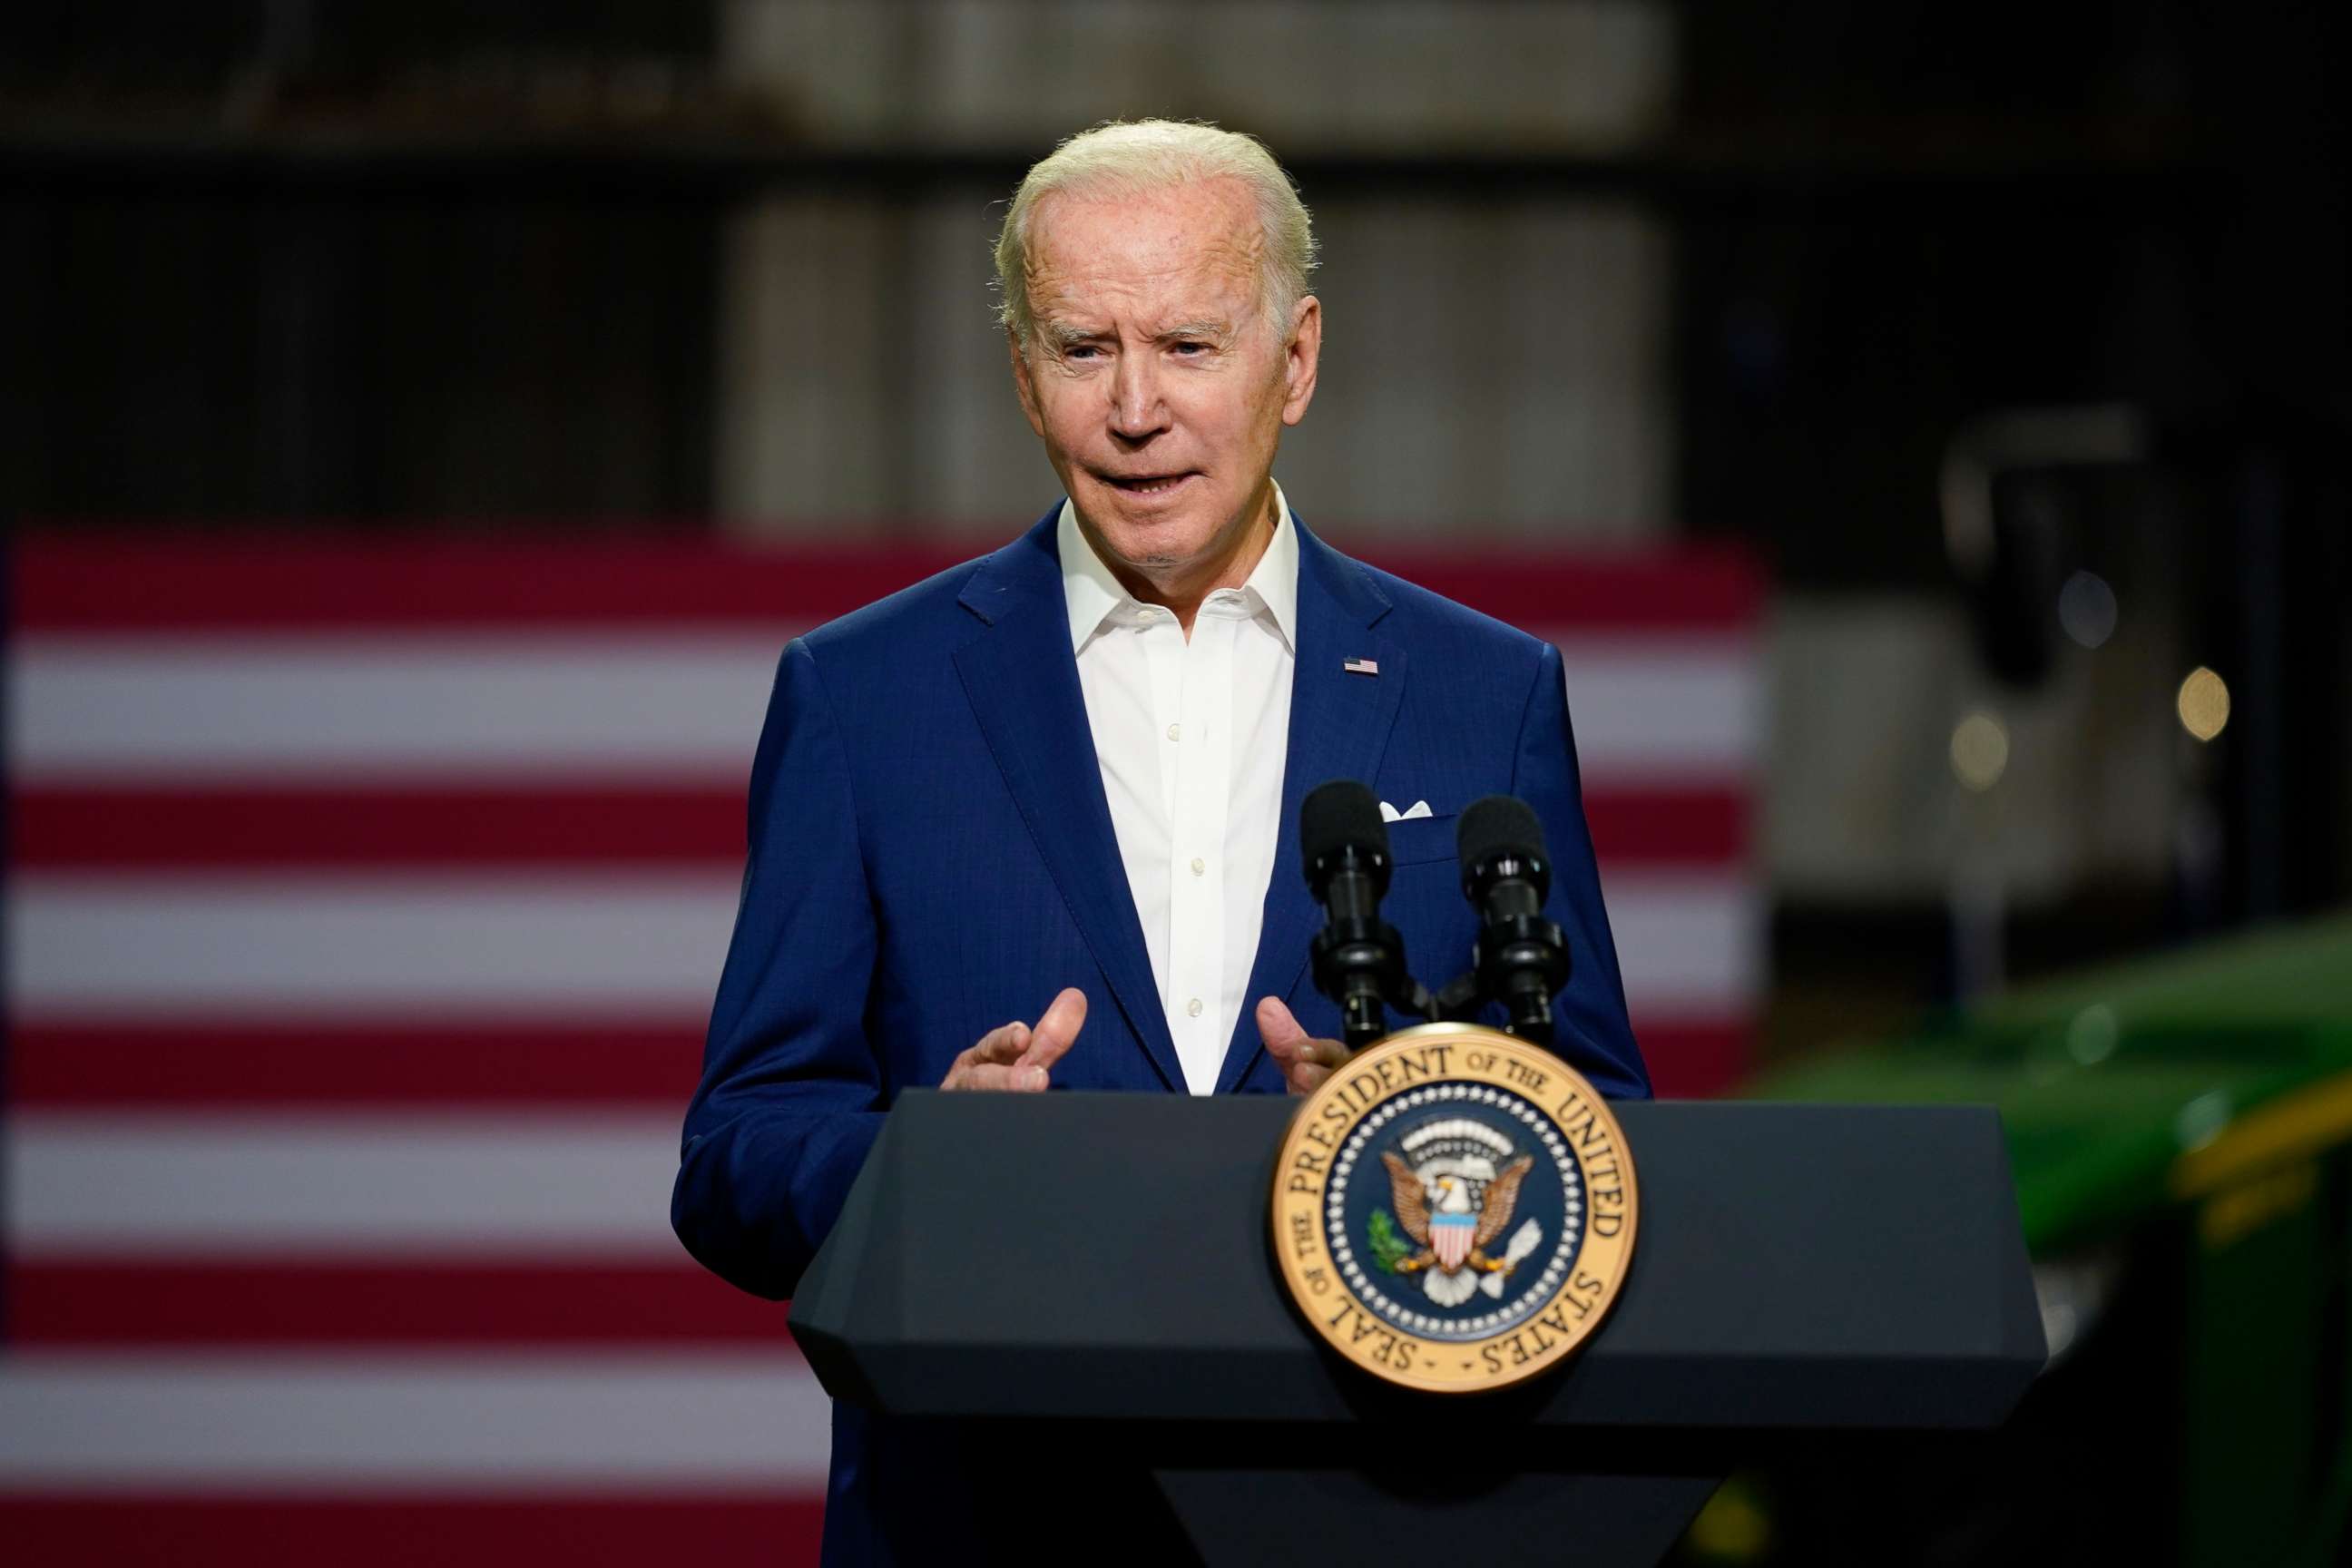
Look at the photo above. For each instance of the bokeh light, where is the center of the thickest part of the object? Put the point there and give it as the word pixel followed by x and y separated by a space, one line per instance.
pixel 2091 1036
pixel 2203 703
pixel 2087 609
pixel 1980 751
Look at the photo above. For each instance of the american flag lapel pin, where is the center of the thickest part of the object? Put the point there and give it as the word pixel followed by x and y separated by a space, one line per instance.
pixel 1361 667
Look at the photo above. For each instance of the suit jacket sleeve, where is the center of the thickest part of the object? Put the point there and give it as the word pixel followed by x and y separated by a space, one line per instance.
pixel 1594 1032
pixel 791 1098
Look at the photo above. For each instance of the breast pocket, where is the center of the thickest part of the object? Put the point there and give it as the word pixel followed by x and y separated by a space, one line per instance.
pixel 1420 839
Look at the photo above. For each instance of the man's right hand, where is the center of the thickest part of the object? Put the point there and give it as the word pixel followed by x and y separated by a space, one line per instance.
pixel 1016 1057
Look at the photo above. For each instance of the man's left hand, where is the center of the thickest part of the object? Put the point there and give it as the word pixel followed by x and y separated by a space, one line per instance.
pixel 1305 1060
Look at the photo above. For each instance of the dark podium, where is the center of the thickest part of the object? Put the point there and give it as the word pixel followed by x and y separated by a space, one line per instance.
pixel 1075 1295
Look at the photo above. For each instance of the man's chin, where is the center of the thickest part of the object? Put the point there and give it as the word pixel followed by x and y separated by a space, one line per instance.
pixel 1148 536
pixel 1152 557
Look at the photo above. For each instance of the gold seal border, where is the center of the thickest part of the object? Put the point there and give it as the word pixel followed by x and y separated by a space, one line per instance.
pixel 1465 1053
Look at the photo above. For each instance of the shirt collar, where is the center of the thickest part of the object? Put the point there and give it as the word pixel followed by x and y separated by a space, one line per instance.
pixel 1093 595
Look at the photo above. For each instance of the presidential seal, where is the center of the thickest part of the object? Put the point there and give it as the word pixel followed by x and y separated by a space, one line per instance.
pixel 1453 1209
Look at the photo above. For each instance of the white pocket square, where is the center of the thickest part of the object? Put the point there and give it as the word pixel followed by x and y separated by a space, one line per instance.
pixel 1390 814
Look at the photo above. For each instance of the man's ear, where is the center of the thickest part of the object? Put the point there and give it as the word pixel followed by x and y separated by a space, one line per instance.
pixel 1024 382
pixel 1301 357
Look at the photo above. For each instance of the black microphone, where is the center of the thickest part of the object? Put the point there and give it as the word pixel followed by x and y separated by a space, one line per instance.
pixel 1520 958
pixel 1359 960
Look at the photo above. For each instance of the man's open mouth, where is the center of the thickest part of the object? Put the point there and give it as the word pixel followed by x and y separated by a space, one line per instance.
pixel 1147 484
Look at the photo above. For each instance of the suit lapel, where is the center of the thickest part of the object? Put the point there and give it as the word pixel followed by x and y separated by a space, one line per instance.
pixel 1340 725
pixel 1023 682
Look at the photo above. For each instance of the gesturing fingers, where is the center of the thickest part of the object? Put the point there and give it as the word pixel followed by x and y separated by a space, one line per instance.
pixel 993 1077
pixel 1058 1031
pixel 1016 1057
pixel 1002 1044
pixel 1305 1060
pixel 1315 1062
pixel 995 1062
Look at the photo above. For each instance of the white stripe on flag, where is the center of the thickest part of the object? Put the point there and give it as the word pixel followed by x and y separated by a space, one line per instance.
pixel 190 708
pixel 349 1426
pixel 1664 707
pixel 109 947
pixel 90 1183
pixel 1687 943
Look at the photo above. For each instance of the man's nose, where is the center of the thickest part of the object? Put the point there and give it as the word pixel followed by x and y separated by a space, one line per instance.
pixel 1136 408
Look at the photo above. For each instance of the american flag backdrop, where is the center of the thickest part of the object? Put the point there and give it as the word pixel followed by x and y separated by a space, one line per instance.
pixel 364 904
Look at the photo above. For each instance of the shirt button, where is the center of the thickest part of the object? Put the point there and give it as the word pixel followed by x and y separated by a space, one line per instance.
pixel 1193 1006
pixel 1175 731
pixel 1199 864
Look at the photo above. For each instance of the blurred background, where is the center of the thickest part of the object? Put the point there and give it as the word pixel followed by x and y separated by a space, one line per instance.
pixel 420 426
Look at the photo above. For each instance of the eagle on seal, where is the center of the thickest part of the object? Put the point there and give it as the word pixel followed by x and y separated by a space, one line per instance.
pixel 1438 1216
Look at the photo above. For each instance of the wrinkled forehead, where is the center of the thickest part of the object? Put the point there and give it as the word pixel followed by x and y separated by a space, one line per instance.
pixel 1183 253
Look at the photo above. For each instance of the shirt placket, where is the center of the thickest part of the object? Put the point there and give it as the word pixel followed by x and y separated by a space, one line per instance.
pixel 1161 642
pixel 1196 844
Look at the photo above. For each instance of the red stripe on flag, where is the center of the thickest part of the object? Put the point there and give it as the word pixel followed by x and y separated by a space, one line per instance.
pixel 261 829
pixel 1684 587
pixel 388 1067
pixel 116 828
pixel 155 582
pixel 1668 827
pixel 277 1065
pixel 150 1302
pixel 1690 1059
pixel 780 1531
pixel 149 583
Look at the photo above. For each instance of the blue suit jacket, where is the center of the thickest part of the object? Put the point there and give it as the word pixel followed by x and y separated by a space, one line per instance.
pixel 931 856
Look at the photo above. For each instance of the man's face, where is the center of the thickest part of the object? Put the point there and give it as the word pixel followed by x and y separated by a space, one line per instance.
pixel 1155 379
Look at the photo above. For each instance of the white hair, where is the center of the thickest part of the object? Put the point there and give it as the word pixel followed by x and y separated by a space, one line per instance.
pixel 1121 159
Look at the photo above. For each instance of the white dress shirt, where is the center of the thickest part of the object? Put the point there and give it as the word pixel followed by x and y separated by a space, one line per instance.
pixel 1191 736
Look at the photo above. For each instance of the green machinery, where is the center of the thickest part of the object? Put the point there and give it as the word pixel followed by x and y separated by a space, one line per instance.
pixel 2181 1129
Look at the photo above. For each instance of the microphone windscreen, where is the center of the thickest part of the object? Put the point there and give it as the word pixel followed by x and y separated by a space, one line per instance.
pixel 1336 814
pixel 1497 826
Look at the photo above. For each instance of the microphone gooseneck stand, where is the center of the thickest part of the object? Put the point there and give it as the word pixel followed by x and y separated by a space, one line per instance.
pixel 1519 959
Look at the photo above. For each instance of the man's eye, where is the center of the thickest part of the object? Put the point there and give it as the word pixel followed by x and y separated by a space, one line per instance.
pixel 1081 351
pixel 1189 347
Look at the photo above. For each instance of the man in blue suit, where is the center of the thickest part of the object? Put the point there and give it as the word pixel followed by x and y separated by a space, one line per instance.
pixel 1062 783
